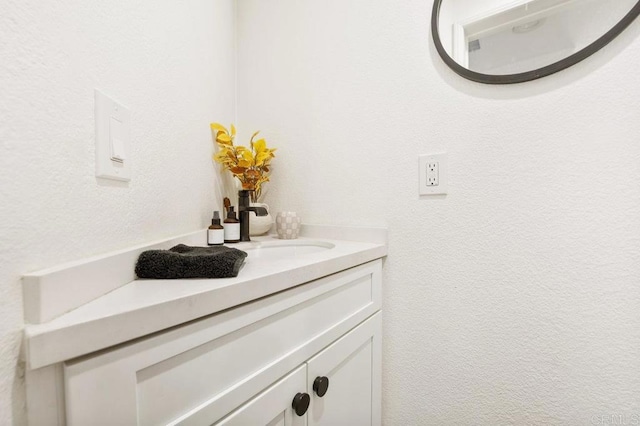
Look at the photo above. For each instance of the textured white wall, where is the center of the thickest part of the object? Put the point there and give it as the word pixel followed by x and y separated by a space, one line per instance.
pixel 515 298
pixel 173 65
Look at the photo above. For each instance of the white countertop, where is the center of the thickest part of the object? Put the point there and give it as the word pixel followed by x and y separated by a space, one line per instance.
pixel 142 307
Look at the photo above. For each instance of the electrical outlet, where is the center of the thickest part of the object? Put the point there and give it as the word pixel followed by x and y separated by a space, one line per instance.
pixel 432 173
pixel 432 170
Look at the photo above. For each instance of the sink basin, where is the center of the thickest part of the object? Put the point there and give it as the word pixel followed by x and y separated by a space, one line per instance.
pixel 285 249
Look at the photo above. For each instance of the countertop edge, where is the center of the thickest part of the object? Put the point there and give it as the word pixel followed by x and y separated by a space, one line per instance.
pixel 46 344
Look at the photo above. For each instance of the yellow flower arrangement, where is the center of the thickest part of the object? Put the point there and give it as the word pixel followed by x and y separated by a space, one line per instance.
pixel 249 165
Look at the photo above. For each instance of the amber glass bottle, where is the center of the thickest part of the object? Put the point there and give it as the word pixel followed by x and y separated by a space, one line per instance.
pixel 215 233
pixel 231 227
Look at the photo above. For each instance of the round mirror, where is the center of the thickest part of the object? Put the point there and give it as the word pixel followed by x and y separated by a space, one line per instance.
pixel 507 41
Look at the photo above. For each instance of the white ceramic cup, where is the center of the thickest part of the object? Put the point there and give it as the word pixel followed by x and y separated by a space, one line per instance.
pixel 287 225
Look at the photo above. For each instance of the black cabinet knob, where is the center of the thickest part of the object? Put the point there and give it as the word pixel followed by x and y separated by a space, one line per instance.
pixel 300 403
pixel 320 385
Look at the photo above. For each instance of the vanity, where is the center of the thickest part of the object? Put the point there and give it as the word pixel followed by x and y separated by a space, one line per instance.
pixel 295 339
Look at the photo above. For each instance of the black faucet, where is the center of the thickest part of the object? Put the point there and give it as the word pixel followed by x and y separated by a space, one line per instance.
pixel 244 208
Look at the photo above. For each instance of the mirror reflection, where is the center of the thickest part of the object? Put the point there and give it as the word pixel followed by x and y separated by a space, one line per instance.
pixel 500 37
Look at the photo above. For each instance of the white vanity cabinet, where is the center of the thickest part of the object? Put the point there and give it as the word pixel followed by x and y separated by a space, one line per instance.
pixel 245 365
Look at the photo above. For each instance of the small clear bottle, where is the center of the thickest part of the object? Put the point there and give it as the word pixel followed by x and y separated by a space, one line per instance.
pixel 215 233
pixel 231 227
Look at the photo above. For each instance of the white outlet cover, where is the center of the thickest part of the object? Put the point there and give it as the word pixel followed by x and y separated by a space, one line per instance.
pixel 423 160
pixel 113 137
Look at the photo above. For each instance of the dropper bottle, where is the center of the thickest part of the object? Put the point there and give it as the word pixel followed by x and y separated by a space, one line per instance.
pixel 215 233
pixel 231 227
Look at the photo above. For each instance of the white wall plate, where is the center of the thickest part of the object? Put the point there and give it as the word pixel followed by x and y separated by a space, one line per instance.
pixel 113 139
pixel 432 172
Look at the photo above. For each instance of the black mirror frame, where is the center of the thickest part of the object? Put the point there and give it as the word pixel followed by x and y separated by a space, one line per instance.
pixel 529 75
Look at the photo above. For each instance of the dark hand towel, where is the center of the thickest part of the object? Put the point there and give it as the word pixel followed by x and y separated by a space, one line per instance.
pixel 184 261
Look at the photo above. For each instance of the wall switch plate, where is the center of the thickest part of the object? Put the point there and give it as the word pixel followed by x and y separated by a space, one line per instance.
pixel 113 135
pixel 432 172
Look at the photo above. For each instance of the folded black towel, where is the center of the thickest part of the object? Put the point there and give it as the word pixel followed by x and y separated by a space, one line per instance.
pixel 184 261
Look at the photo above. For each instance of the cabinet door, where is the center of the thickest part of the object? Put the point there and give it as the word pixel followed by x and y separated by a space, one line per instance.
pixel 351 367
pixel 272 407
